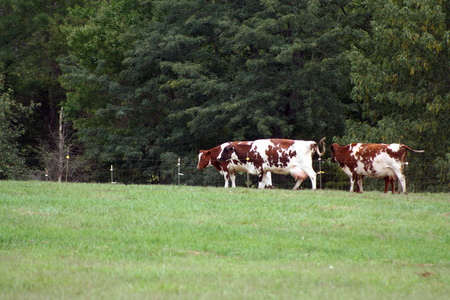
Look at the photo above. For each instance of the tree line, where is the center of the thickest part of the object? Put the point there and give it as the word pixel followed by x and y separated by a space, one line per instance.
pixel 142 82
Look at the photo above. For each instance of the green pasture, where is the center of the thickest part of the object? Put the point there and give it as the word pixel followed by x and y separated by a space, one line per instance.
pixel 104 241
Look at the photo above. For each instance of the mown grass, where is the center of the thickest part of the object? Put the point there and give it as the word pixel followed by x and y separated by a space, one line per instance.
pixel 79 241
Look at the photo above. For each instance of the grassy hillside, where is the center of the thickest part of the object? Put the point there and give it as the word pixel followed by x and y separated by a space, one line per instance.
pixel 80 241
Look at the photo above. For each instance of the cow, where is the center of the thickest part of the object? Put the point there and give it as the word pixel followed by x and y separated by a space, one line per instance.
pixel 226 168
pixel 279 156
pixel 374 160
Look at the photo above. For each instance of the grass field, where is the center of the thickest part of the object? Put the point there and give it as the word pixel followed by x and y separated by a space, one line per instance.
pixel 103 241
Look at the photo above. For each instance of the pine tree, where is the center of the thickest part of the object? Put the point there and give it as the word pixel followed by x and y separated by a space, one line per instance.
pixel 12 114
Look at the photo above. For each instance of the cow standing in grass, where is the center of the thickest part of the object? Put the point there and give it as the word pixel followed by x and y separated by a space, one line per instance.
pixel 279 156
pixel 375 160
pixel 226 168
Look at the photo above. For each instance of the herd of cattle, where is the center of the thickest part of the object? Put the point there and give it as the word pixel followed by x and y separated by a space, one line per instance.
pixel 294 157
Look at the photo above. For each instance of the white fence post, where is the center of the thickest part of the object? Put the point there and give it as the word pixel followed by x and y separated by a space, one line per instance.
pixel 179 170
pixel 112 177
pixel 320 172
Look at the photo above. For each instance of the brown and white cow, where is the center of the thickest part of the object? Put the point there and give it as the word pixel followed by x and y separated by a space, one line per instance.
pixel 279 156
pixel 374 160
pixel 226 168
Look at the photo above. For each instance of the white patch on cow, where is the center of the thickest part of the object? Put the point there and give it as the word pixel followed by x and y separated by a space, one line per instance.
pixel 222 147
pixel 354 150
pixel 260 146
pixel 381 165
pixel 234 156
pixel 394 147
pixel 347 171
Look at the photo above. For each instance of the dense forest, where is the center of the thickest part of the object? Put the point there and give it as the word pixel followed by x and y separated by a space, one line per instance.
pixel 139 83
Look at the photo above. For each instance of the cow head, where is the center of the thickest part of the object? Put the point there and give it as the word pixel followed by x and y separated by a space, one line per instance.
pixel 204 159
pixel 226 153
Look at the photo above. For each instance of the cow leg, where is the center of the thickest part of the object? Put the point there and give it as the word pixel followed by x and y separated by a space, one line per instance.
pixel 359 183
pixel 358 180
pixel 392 183
pixel 301 174
pixel 268 180
pixel 261 179
pixel 233 179
pixel 402 182
pixel 297 184
pixel 352 184
pixel 312 177
pixel 387 182
pixel 225 176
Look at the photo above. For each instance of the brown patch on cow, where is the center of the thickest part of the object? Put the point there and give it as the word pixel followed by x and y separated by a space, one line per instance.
pixel 242 151
pixel 282 143
pixel 366 154
pixel 399 155
pixel 341 154
pixel 274 159
pixel 244 154
pixel 256 159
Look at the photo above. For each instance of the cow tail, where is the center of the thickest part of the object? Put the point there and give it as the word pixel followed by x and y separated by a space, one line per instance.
pixel 412 150
pixel 322 143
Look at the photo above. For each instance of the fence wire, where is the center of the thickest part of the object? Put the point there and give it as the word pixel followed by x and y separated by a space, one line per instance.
pixel 421 175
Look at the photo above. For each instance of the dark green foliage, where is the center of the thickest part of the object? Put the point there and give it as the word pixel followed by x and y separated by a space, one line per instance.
pixel 30 42
pixel 200 73
pixel 145 82
pixel 12 116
